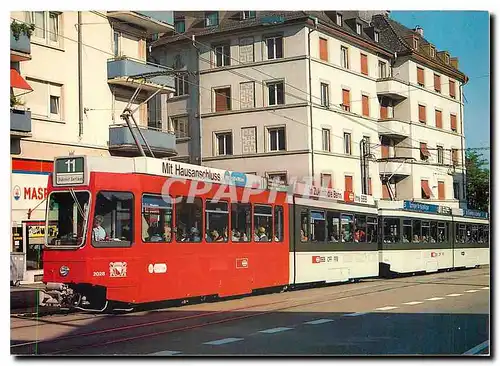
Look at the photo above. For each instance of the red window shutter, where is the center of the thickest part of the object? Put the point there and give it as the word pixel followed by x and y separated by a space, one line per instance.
pixel 439 119
pixel 425 187
pixel 346 99
pixel 453 122
pixel 366 105
pixel 348 183
pixel 323 49
pixel 441 190
pixel 421 113
pixel 385 151
pixel 452 89
pixel 385 191
pixel 221 99
pixel 364 64
pixel 420 76
pixel 383 112
pixel 437 82
pixel 369 186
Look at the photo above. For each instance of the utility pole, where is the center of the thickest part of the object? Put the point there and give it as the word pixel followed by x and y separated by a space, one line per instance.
pixel 363 156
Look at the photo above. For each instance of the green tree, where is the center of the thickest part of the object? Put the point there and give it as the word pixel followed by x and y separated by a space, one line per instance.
pixel 478 181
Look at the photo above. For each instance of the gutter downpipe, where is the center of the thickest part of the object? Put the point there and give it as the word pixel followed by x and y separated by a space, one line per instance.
pixel 80 78
pixel 316 22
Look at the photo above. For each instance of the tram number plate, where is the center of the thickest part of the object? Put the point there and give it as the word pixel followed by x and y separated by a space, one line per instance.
pixel 69 171
pixel 99 274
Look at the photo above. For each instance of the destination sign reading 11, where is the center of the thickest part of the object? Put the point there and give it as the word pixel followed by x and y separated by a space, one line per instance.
pixel 69 171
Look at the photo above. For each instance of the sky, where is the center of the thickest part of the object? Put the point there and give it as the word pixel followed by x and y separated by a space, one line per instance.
pixel 464 34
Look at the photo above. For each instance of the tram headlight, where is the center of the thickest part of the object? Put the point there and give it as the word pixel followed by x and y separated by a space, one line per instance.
pixel 63 271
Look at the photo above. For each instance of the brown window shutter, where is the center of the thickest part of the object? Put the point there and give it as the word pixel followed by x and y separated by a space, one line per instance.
pixel 420 76
pixel 441 190
pixel 364 64
pixel 425 187
pixel 437 82
pixel 421 113
pixel 323 49
pixel 454 156
pixel 346 99
pixel 221 100
pixel 369 186
pixel 424 150
pixel 439 119
pixel 385 191
pixel 383 112
pixel 366 105
pixel 452 89
pixel 453 122
pixel 348 183
pixel 385 151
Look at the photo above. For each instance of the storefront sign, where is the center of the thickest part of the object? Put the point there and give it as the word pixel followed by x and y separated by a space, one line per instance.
pixel 420 207
pixel 28 190
pixel 475 213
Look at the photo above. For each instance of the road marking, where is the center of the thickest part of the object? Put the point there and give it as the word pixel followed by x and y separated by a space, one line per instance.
pixel 387 308
pixel 275 330
pixel 485 288
pixel 434 299
pixel 477 349
pixel 356 314
pixel 413 303
pixel 454 295
pixel 223 341
pixel 471 291
pixel 319 321
pixel 165 353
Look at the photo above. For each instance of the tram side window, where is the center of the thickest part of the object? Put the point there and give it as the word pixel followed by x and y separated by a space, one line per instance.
pixel 304 227
pixel 480 234
pixel 468 234
pixel 156 219
pixel 360 229
pixel 262 220
pixel 417 231
pixel 318 227
pixel 391 230
pixel 371 231
pixel 426 230
pixel 216 221
pixel 278 223
pixel 347 227
pixel 461 233
pixel 333 223
pixel 486 234
pixel 441 232
pixel 112 225
pixel 474 234
pixel 188 220
pixel 241 222
pixel 433 237
pixel 407 231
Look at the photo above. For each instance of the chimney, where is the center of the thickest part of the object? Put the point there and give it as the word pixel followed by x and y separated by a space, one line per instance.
pixel 454 62
pixel 419 30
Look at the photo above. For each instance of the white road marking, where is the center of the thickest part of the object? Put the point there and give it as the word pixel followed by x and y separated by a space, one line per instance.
pixel 223 341
pixel 471 291
pixel 485 288
pixel 434 299
pixel 413 303
pixel 477 349
pixel 165 353
pixel 275 330
pixel 387 308
pixel 356 314
pixel 319 321
pixel 454 295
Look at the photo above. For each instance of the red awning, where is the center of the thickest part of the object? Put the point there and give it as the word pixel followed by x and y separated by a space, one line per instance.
pixel 17 81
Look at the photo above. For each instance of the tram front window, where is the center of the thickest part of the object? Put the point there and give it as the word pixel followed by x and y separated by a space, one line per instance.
pixel 66 218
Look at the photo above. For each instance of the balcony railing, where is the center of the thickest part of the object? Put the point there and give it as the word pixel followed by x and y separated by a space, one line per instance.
pixel 393 128
pixel 392 88
pixel 20 49
pixel 395 167
pixel 20 122
pixel 121 141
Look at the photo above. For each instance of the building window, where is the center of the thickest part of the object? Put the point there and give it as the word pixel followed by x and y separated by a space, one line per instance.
pixel 222 99
pixel 347 143
pixel 365 103
pixel 439 118
pixel 222 55
pixel 375 36
pixel 344 57
pixel 456 190
pixel 54 105
pixel 279 178
pixel 276 93
pixel 420 77
pixel 247 15
pixel 454 157
pixel 441 190
pixel 211 18
pixel 46 100
pixel 433 52
pixel 348 183
pixel 437 83
pixel 346 100
pixel 181 85
pixel 274 48
pixel 180 25
pixel 364 64
pixel 339 19
pixel 424 151
pixel 325 97
pixel 452 89
pixel 421 113
pixel 415 43
pixel 224 143
pixel 446 59
pixel 358 28
pixel 323 49
pixel 453 122
pixel 440 155
pixel 382 70
pixel 47 26
pixel 180 125
pixel 276 139
pixel 325 133
pixel 326 180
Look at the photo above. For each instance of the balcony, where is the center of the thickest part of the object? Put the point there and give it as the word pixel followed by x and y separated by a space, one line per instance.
pixel 396 167
pixel 392 88
pixel 151 21
pixel 20 49
pixel 393 128
pixel 124 71
pixel 20 123
pixel 122 143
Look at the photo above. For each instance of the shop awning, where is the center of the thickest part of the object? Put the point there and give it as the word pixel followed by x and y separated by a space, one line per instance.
pixel 17 81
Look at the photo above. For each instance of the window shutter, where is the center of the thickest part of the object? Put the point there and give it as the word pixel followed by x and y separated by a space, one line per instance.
pixel 452 89
pixel 421 113
pixel 348 183
pixel 420 76
pixel 220 100
pixel 346 100
pixel 437 82
pixel 385 151
pixel 366 106
pixel 425 187
pixel 364 64
pixel 385 191
pixel 441 190
pixel 453 122
pixel 439 119
pixel 323 49
pixel 383 112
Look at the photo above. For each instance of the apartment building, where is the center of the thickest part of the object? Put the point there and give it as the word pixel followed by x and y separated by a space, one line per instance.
pixel 290 95
pixel 72 79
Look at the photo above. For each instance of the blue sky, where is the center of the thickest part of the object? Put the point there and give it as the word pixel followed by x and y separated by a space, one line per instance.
pixel 465 34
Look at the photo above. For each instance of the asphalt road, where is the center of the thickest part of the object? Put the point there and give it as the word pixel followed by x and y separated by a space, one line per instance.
pixel 438 314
